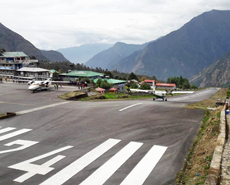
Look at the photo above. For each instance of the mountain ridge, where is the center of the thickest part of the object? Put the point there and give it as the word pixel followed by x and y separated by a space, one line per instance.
pixel 81 54
pixel 12 41
pixel 106 59
pixel 184 52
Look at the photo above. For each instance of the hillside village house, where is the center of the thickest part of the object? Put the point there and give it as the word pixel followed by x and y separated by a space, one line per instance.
pixel 10 62
pixel 168 86
pixel 118 84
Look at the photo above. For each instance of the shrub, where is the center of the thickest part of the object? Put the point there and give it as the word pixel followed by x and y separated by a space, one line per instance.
pixel 134 86
pixel 97 97
pixel 122 96
pixel 145 86
pixel 228 93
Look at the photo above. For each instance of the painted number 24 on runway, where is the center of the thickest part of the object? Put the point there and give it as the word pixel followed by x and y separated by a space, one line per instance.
pixel 31 169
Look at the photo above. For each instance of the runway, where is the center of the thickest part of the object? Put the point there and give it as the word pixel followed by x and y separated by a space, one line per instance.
pixel 92 143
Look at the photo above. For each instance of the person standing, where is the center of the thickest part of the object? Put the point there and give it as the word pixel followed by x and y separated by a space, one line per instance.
pixel 57 86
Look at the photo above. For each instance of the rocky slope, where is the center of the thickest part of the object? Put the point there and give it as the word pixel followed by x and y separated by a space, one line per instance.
pixel 216 75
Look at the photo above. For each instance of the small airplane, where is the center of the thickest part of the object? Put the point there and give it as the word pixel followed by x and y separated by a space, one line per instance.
pixel 159 94
pixel 34 85
pixel 39 85
pixel 162 95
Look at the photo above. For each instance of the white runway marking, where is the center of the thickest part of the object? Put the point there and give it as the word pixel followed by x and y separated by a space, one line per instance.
pixel 130 106
pixel 105 171
pixel 24 144
pixel 142 170
pixel 33 169
pixel 13 134
pixel 72 169
pixel 40 108
pixel 6 129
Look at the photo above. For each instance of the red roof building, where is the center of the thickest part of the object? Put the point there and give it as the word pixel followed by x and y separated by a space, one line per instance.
pixel 149 81
pixel 112 90
pixel 165 86
pixel 100 90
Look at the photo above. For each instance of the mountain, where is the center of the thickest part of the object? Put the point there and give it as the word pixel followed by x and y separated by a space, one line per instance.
pixel 184 52
pixel 216 75
pixel 81 54
pixel 106 59
pixel 12 41
pixel 53 56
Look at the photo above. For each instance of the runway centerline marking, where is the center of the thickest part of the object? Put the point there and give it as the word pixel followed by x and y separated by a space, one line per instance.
pixel 40 108
pixel 130 106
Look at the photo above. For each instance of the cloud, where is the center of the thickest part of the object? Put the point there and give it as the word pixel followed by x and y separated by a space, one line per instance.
pixel 53 24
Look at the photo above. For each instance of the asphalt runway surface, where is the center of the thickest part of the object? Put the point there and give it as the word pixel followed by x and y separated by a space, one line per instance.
pixel 91 143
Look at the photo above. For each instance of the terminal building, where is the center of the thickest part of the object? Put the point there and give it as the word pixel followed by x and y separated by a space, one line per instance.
pixel 73 75
pixel 30 73
pixel 10 62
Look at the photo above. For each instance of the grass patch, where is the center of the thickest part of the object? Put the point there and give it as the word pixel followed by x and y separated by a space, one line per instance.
pixel 2 114
pixel 93 97
pixel 72 95
pixel 119 96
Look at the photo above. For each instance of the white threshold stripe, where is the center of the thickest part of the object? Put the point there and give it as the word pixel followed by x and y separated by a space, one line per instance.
pixel 72 169
pixel 130 106
pixel 6 129
pixel 40 108
pixel 108 169
pixel 13 134
pixel 142 170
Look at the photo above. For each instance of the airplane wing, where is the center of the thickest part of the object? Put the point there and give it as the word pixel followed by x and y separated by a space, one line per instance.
pixel 66 82
pixel 162 91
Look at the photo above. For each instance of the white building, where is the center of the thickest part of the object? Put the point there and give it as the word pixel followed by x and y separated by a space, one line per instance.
pixel 32 73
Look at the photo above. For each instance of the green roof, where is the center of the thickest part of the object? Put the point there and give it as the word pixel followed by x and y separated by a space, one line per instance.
pixel 13 54
pixel 53 71
pixel 111 81
pixel 84 73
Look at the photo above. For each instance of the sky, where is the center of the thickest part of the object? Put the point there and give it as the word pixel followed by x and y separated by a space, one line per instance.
pixel 55 24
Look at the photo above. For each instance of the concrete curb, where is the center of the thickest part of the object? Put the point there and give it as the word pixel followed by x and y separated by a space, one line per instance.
pixel 8 114
pixel 213 177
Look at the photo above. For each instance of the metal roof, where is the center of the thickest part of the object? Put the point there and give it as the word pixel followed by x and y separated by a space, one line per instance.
pixel 83 74
pixel 149 81
pixel 33 69
pixel 100 89
pixel 53 71
pixel 13 54
pixel 111 81
pixel 165 85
